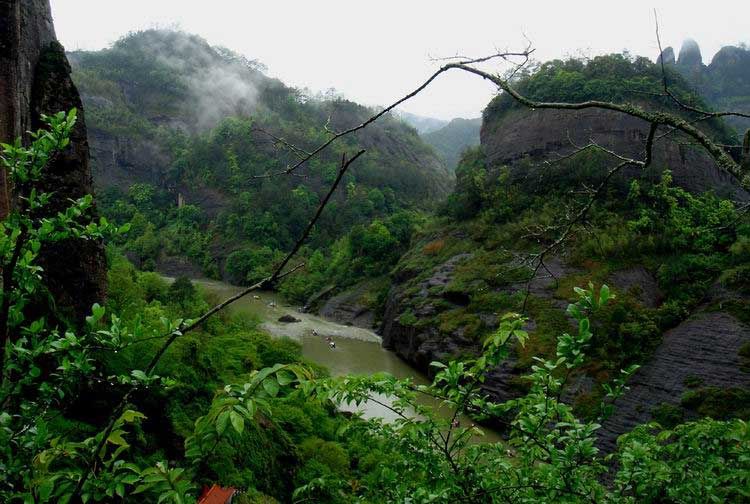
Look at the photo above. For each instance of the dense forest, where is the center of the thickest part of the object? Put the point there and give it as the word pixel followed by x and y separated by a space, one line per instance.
pixel 576 300
pixel 203 195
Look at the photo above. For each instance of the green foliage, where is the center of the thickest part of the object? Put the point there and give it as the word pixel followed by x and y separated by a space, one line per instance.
pixel 718 403
pixel 277 423
pixel 148 81
pixel 364 253
pixel 471 181
pixel 668 415
pixel 549 454
pixel 250 266
pixel 619 78
pixel 43 367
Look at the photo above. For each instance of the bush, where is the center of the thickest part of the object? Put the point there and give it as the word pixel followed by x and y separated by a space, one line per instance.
pixel 668 415
pixel 153 287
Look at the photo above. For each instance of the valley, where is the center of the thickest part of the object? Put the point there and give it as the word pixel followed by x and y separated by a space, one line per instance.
pixel 219 285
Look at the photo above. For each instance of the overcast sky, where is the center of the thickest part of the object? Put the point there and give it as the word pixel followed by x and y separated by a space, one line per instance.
pixel 376 51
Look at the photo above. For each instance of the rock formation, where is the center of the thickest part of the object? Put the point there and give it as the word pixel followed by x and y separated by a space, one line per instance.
pixel 724 83
pixel 34 80
pixel 667 56
pixel 690 54
pixel 702 348
pixel 548 134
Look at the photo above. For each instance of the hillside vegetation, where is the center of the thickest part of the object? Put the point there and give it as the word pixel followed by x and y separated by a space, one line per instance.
pixel 182 134
pixel 602 333
pixel 454 138
pixel 672 257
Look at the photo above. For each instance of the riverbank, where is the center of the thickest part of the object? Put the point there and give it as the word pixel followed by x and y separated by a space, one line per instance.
pixel 358 351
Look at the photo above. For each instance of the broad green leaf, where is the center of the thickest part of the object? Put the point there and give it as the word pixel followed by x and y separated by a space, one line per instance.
pixel 271 386
pixel 237 422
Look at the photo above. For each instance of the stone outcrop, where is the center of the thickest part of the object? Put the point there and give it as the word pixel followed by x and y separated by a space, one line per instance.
pixel 724 82
pixel 690 54
pixel 35 80
pixel 539 135
pixel 118 161
pixel 349 308
pixel 704 348
pixel 420 346
pixel 667 56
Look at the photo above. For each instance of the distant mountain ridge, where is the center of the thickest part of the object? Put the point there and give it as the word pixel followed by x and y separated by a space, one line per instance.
pixel 175 122
pixel 724 83
pixel 422 124
pixel 454 138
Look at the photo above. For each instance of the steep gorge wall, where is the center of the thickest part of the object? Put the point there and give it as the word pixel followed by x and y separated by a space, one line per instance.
pixel 703 347
pixel 35 80
pixel 547 135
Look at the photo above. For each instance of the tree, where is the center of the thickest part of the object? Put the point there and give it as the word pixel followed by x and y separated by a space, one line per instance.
pixel 552 454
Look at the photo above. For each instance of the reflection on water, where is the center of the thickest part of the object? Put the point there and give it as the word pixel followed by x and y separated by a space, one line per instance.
pixel 358 351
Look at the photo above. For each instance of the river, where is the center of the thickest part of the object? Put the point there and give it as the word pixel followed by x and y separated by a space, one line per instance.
pixel 358 351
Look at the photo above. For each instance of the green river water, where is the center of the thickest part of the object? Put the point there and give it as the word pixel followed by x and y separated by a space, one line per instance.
pixel 358 351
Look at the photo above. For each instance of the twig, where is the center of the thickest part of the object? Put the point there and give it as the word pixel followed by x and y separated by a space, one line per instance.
pixel 277 274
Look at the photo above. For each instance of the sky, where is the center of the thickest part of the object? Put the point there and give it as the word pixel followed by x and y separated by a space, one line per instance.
pixel 374 52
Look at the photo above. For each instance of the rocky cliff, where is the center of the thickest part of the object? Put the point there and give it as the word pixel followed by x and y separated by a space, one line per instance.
pixel 462 274
pixel 546 135
pixel 35 80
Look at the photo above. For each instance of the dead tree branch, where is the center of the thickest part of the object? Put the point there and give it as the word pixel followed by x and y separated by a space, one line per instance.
pixel 186 327
pixel 337 135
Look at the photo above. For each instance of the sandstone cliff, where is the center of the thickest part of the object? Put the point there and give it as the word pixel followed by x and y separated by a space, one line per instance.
pixel 547 135
pixel 461 275
pixel 34 80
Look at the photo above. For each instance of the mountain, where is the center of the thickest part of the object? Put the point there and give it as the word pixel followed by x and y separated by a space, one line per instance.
pixel 452 139
pixel 680 298
pixel 724 83
pixel 422 124
pixel 181 134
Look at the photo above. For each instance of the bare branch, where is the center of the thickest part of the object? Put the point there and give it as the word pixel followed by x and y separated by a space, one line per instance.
pixel 184 328
pixel 335 136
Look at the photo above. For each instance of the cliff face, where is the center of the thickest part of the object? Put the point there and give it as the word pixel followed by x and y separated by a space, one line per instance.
pixel 701 351
pixel 546 135
pixel 450 289
pixel 25 28
pixel 34 80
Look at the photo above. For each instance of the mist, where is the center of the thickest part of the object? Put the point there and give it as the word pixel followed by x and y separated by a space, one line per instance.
pixel 376 53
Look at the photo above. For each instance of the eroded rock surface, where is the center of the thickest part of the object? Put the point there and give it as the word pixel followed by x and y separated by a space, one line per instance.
pixel 639 282
pixel 704 347
pixel 349 308
pixel 35 80
pixel 547 134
